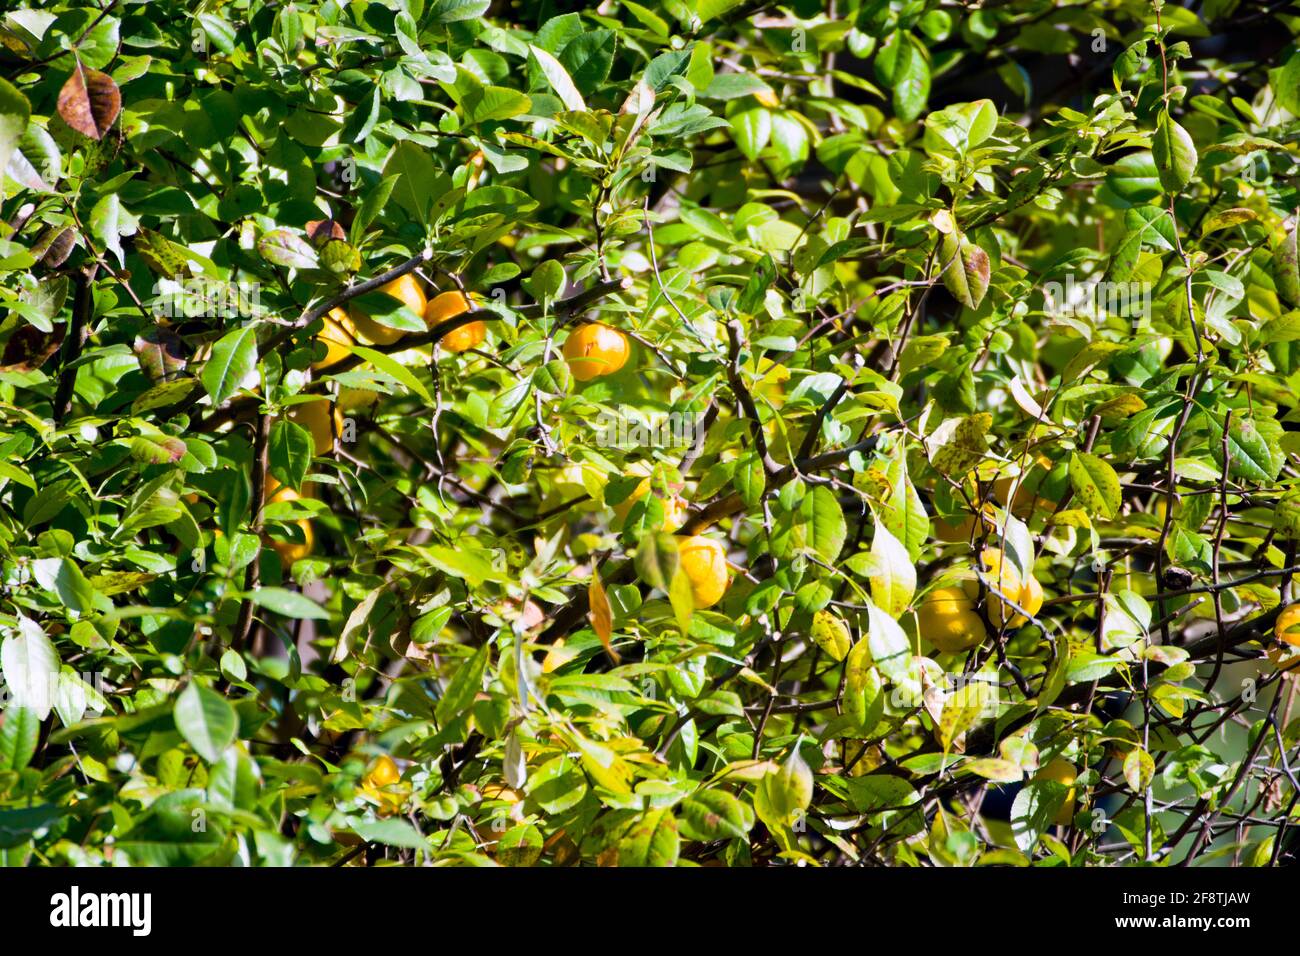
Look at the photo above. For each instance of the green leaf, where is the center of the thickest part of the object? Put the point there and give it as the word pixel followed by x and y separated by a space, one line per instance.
pixel 651 840
pixel 657 560
pixel 206 721
pixel 1174 154
pixel 464 687
pixel 456 11
pixel 560 81
pixel 893 576
pixel 15 112
pixel 1254 448
pixel 18 736
pixel 30 665
pixel 288 603
pixel 234 359
pixel 1286 88
pixel 389 366
pixel 290 452
pixel 709 815
pixel 967 274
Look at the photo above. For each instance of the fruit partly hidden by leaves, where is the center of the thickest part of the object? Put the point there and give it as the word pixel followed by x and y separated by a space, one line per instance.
pixel 704 562
pixel 964 528
pixel 380 783
pixel 1000 579
pixel 1059 770
pixel 594 350
pixel 946 617
pixel 1031 599
pixel 290 551
pixel 448 305
pixel 316 417
pixel 675 508
pixel 1287 631
pixel 405 289
pixel 337 337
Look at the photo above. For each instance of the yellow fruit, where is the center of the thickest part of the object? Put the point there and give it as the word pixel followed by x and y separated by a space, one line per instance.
pixel 351 399
pixel 1031 599
pixel 674 508
pixel 1001 575
pixel 1059 770
pixel 1287 627
pixel 315 417
pixel 1287 631
pixel 336 337
pixel 946 618
pixel 380 784
pixel 448 305
pixel 289 551
pixel 593 350
pixel 961 531
pixel 406 290
pixel 704 563
pixel 466 337
pixel 383 773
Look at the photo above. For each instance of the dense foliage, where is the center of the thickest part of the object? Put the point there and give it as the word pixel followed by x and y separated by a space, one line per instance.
pixel 967 336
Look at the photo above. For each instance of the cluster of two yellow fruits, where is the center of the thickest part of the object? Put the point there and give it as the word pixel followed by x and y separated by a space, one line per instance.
pixel 948 618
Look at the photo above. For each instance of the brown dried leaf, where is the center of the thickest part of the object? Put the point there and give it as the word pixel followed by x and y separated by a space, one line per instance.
pixel 90 102
pixel 29 348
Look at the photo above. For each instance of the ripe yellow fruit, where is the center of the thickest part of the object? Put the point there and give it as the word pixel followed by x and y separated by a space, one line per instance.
pixel 289 551
pixel 406 290
pixel 352 399
pixel 1059 770
pixel 946 618
pixel 337 338
pixel 383 773
pixel 1000 574
pixel 1287 630
pixel 380 783
pixel 448 305
pixel 593 350
pixel 674 508
pixel 1031 599
pixel 704 563
pixel 315 417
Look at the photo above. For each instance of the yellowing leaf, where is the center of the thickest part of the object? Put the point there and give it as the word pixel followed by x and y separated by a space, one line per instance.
pixel 893 578
pixel 600 615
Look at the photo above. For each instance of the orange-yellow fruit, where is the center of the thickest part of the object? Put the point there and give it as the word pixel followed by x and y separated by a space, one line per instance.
pixel 406 290
pixel 946 618
pixel 316 418
pixel 674 508
pixel 1287 630
pixel 380 783
pixel 593 350
pixel 1059 770
pixel 383 773
pixel 448 305
pixel 704 563
pixel 1000 574
pixel 337 338
pixel 289 551
pixel 1031 599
